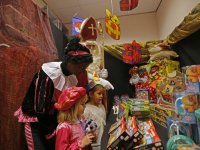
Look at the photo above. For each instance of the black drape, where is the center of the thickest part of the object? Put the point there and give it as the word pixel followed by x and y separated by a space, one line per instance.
pixel 118 76
pixel 188 50
pixel 60 40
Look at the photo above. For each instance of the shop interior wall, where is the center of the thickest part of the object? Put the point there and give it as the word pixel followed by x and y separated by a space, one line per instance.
pixel 140 27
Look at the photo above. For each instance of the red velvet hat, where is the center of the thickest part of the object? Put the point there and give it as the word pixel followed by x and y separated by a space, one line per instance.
pixel 69 96
pixel 89 29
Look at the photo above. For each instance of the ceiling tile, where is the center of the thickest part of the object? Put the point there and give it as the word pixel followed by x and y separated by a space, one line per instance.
pixel 57 4
pixel 97 10
pixel 65 15
pixel 86 2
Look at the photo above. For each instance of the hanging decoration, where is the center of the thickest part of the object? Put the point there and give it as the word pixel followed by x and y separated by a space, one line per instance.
pixel 112 25
pixel 131 54
pixel 76 26
pixel 127 5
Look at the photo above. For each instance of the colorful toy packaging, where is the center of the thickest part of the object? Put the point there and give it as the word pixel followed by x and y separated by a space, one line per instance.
pixel 116 125
pixel 141 112
pixel 149 140
pixel 135 133
pixel 145 126
pixel 119 137
pixel 123 110
pixel 165 88
pixel 136 101
pixel 142 94
pixel 159 114
pixel 152 92
pixel 165 111
pixel 191 78
pixel 185 106
pixel 112 25
pixel 160 68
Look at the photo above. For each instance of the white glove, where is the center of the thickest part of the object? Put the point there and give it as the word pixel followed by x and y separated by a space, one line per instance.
pixel 106 84
pixel 103 73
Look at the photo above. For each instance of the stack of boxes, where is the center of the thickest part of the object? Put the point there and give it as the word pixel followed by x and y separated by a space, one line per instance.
pixel 139 108
pixel 159 114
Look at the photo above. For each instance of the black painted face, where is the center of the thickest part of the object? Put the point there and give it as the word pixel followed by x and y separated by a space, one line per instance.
pixel 78 68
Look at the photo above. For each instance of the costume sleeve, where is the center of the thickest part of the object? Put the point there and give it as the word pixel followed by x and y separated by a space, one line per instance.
pixel 38 101
pixel 63 140
pixel 39 95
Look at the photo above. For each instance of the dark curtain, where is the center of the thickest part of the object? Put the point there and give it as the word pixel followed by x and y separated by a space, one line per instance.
pixel 60 40
pixel 118 76
pixel 188 50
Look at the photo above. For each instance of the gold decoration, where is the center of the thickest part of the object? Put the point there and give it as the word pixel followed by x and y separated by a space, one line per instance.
pixel 116 50
pixel 189 25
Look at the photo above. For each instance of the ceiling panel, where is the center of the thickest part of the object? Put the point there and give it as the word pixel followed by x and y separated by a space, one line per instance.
pixel 97 10
pixel 60 4
pixel 65 15
pixel 66 9
pixel 86 2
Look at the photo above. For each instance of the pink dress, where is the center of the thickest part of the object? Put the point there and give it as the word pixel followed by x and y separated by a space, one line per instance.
pixel 69 136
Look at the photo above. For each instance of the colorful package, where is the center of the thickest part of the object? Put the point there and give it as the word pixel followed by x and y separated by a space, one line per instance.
pixel 142 94
pixel 112 25
pixel 152 92
pixel 123 110
pixel 158 69
pixel 135 134
pixel 145 126
pixel 191 78
pixel 119 137
pixel 126 5
pixel 150 137
pixel 136 101
pixel 116 125
pixel 167 86
pixel 185 106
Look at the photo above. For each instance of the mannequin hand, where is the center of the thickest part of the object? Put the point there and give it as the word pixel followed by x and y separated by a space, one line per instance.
pixel 106 84
pixel 103 73
pixel 87 140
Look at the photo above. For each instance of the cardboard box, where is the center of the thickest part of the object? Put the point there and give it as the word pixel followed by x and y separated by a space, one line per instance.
pixel 165 111
pixel 136 101
pixel 116 125
pixel 150 137
pixel 119 138
pixel 135 133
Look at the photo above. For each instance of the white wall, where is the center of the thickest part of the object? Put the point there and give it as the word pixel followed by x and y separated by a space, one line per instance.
pixel 171 13
pixel 141 27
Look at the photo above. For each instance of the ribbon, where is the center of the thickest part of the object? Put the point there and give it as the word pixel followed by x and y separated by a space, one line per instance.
pixel 113 18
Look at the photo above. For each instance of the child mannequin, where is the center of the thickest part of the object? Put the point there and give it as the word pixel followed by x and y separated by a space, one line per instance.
pixel 94 109
pixel 70 133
